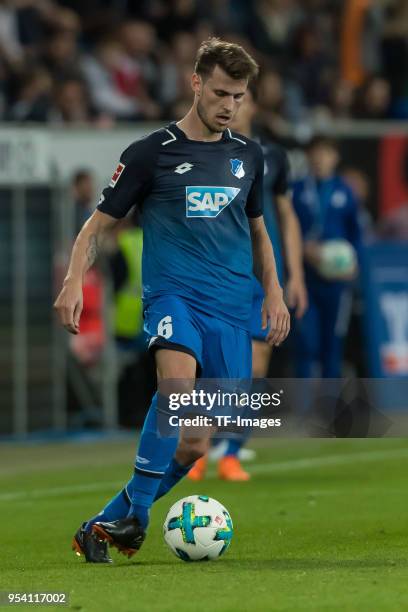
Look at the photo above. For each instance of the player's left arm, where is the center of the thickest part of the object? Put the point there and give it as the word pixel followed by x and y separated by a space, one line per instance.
pixel 274 310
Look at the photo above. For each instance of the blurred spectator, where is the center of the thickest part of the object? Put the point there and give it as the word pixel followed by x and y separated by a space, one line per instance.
pixel 313 70
pixel 339 59
pixel 272 102
pixel 341 100
pixel 176 63
pixel 61 55
pixel 123 75
pixel 33 98
pixel 137 72
pixel 327 210
pixel 373 100
pixel 71 103
pixel 99 70
pixel 272 25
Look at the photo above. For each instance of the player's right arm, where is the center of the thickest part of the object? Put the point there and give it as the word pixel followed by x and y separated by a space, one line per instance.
pixel 129 185
pixel 68 304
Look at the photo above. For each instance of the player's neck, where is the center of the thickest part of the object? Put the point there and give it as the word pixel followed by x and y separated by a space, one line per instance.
pixel 195 129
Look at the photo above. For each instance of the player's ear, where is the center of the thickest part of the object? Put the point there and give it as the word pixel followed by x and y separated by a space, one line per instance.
pixel 196 83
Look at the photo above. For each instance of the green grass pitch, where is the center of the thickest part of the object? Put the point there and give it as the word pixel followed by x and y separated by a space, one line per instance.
pixel 321 526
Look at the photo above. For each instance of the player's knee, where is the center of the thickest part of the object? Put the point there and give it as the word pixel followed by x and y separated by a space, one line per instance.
pixel 176 371
pixel 175 386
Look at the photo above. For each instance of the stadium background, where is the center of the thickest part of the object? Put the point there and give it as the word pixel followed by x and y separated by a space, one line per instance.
pixel 78 83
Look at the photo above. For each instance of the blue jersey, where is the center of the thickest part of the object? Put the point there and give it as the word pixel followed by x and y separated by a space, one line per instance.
pixel 327 210
pixel 195 199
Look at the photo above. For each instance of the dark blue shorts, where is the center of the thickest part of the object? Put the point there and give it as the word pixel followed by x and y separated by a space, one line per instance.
pixel 222 350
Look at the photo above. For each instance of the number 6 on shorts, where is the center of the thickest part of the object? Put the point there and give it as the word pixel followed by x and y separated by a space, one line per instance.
pixel 165 327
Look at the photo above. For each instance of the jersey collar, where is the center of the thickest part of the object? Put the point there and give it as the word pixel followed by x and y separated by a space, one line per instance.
pixel 180 135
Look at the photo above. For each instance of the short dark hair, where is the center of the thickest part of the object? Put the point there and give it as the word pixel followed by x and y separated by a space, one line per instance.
pixel 80 175
pixel 232 58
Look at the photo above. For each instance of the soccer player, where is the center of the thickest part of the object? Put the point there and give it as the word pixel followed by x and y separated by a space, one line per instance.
pixel 276 194
pixel 199 188
pixel 327 209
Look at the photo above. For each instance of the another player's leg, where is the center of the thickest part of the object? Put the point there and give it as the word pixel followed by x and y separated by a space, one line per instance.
pixel 305 340
pixel 199 469
pixel 335 318
pixel 229 466
pixel 154 456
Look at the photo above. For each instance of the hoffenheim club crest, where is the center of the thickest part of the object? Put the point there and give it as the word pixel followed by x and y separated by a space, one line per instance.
pixel 237 168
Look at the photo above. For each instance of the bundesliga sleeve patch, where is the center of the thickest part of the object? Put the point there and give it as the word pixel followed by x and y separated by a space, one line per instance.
pixel 116 175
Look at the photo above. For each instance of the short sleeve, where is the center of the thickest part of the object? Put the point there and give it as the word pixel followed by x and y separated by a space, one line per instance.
pixel 131 181
pixel 281 183
pixel 254 205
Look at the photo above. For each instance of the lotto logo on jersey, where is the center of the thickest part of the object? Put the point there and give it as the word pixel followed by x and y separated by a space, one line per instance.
pixel 116 175
pixel 203 201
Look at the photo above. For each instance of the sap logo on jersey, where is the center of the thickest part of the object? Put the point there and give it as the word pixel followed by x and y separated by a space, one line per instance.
pixel 203 201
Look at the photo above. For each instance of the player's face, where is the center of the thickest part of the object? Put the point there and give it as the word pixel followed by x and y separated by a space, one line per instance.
pixel 218 99
pixel 323 161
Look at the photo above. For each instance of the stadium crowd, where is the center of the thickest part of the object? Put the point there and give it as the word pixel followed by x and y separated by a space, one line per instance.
pixel 100 62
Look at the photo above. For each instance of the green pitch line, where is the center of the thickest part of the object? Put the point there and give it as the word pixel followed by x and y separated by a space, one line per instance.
pixel 321 526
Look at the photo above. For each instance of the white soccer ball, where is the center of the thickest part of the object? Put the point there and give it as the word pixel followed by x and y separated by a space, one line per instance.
pixel 337 258
pixel 198 528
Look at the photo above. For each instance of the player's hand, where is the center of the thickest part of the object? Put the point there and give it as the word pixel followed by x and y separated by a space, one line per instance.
pixel 296 295
pixel 68 306
pixel 276 315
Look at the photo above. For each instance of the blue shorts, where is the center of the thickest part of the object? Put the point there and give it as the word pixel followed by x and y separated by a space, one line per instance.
pixel 222 350
pixel 257 333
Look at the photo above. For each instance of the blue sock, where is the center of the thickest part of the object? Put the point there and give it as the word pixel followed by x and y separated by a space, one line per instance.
pixel 234 446
pixel 153 457
pixel 117 508
pixel 174 473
